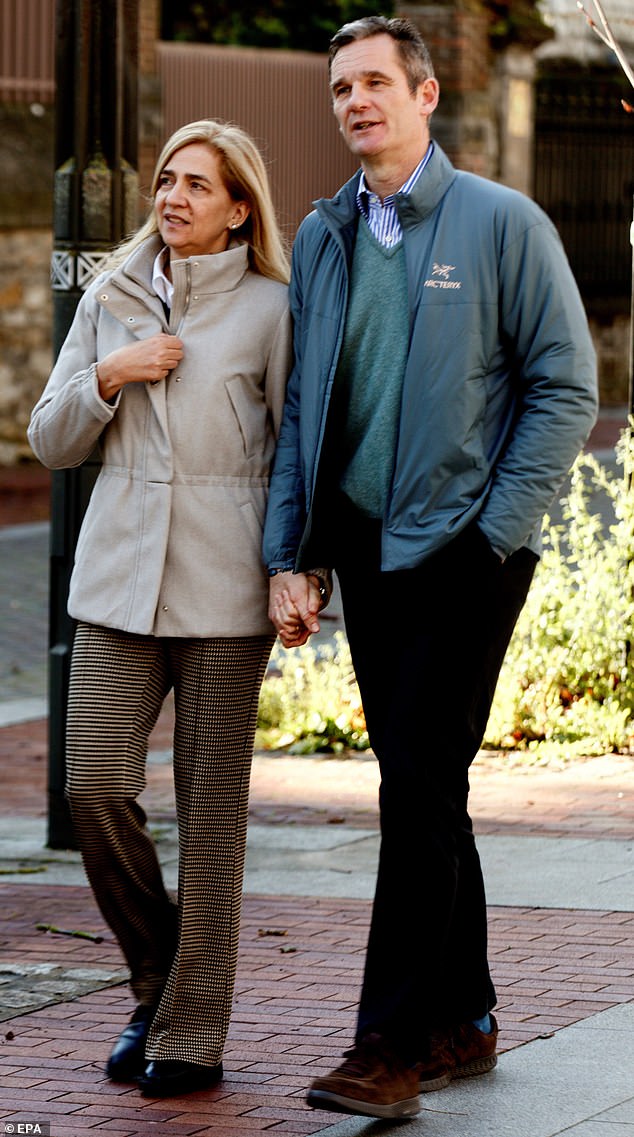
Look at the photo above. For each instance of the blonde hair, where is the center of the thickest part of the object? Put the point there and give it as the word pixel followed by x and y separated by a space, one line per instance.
pixel 245 178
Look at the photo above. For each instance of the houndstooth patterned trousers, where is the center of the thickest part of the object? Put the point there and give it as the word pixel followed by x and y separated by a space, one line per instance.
pixel 181 956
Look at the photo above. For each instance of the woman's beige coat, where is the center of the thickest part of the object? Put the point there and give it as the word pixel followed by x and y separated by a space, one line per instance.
pixel 171 541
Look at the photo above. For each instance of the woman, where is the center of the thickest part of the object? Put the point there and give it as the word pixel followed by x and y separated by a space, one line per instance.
pixel 176 365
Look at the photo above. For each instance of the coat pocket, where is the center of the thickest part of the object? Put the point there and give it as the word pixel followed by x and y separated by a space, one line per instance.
pixel 249 408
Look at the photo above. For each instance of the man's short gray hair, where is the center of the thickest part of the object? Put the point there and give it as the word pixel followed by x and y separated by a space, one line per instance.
pixel 414 56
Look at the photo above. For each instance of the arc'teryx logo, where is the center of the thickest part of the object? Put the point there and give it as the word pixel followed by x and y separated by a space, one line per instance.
pixel 440 277
pixel 442 270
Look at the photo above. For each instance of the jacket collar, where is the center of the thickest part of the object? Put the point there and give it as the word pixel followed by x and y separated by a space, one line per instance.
pixel 340 211
pixel 432 185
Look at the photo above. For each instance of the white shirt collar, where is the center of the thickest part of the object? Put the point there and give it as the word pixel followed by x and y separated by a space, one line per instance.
pixel 161 284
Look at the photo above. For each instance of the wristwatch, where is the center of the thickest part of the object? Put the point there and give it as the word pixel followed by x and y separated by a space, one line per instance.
pixel 323 591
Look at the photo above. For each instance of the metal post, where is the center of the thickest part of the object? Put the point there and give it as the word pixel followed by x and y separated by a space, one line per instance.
pixel 95 206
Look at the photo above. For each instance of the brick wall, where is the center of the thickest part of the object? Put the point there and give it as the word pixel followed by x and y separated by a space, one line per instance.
pixel 150 121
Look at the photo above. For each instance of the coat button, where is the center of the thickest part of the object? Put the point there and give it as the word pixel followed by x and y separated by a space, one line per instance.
pixel 166 608
pixel 178 378
pixel 104 296
pixel 130 319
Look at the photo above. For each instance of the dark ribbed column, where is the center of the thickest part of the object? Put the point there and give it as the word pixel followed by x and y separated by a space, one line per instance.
pixel 95 206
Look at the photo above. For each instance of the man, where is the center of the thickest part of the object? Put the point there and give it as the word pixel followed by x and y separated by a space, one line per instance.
pixel 444 382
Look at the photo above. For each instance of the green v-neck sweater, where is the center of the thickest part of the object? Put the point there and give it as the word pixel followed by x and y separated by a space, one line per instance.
pixel 370 372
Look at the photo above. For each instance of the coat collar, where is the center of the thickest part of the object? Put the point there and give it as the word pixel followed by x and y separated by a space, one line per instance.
pixel 128 295
pixel 214 272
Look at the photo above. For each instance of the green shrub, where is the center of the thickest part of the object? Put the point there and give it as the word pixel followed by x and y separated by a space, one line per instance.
pixel 310 701
pixel 567 684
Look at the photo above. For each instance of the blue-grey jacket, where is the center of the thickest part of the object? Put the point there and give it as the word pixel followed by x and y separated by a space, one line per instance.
pixel 500 390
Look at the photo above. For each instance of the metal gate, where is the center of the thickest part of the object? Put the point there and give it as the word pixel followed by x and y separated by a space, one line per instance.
pixel 584 176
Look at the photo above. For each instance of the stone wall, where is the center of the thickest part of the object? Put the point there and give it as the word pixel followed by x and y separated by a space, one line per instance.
pixel 25 333
pixel 26 156
pixel 464 123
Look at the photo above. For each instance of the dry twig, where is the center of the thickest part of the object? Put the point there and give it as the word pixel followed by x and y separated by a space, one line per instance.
pixel 605 34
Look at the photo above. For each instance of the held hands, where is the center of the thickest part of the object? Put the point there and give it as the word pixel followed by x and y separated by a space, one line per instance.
pixel 294 601
pixel 143 361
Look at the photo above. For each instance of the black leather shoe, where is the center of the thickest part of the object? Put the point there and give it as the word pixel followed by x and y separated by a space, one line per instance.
pixel 128 1060
pixel 171 1078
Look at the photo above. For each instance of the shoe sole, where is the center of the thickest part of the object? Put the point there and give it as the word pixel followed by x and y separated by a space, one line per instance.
pixel 149 1091
pixel 126 1071
pixel 469 1070
pixel 337 1103
pixel 191 1086
pixel 478 1066
pixel 431 1084
pixel 187 1085
pixel 125 1076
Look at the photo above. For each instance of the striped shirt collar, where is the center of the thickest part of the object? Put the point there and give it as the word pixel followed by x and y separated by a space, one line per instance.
pixel 381 216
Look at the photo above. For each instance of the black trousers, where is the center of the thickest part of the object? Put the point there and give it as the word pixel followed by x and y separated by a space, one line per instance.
pixel 427 645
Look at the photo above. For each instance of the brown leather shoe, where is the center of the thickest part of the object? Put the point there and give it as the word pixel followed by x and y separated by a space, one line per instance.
pixel 461 1053
pixel 372 1081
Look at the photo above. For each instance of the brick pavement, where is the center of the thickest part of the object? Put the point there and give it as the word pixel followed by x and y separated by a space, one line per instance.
pixel 296 992
pixel 294 1008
